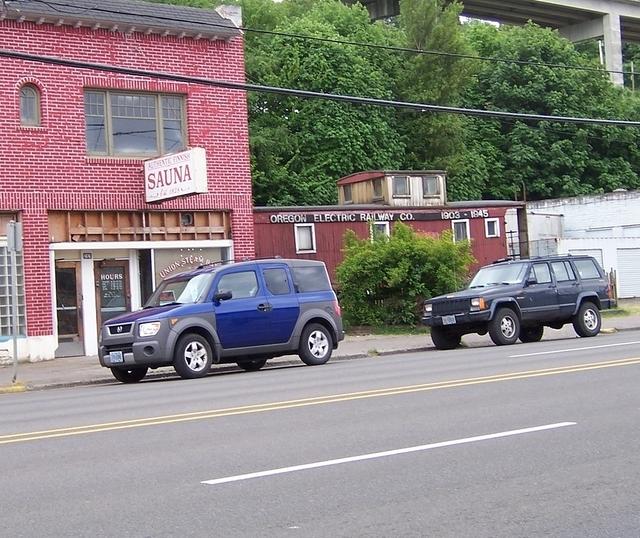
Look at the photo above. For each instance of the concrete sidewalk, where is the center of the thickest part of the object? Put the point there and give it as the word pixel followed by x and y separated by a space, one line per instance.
pixel 73 371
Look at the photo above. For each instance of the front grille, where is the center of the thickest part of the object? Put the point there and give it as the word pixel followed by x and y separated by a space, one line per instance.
pixel 122 328
pixel 450 306
pixel 125 348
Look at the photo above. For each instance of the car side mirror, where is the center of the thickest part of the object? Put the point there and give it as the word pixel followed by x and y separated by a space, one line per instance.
pixel 222 296
pixel 531 280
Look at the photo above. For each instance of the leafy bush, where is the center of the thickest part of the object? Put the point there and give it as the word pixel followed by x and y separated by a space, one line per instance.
pixel 384 281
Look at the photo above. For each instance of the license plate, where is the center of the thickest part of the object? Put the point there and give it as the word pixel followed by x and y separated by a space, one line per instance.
pixel 115 357
pixel 448 320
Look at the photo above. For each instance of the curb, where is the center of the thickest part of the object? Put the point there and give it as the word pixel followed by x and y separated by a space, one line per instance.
pixel 15 387
pixel 220 369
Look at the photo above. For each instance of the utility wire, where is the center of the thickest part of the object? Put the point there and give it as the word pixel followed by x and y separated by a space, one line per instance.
pixel 420 107
pixel 56 5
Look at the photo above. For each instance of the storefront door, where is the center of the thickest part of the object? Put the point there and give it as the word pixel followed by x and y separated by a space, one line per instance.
pixel 68 309
pixel 113 296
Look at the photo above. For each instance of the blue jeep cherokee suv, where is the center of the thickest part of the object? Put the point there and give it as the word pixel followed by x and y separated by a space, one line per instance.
pixel 245 312
pixel 516 299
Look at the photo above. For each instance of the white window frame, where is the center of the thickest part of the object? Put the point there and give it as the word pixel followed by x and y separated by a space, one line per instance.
pixel 453 229
pixel 486 227
pixel 312 227
pixel 384 224
pixel 407 183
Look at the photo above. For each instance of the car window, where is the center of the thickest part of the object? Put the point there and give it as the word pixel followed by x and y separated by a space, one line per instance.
pixel 587 269
pixel 563 271
pixel 189 289
pixel 542 273
pixel 241 285
pixel 276 281
pixel 490 275
pixel 310 278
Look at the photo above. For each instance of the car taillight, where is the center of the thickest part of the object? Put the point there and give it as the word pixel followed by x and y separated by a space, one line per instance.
pixel 336 308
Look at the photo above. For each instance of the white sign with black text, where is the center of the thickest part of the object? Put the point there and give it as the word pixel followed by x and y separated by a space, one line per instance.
pixel 175 175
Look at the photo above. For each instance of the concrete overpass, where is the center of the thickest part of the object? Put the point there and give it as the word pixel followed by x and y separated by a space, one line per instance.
pixel 613 21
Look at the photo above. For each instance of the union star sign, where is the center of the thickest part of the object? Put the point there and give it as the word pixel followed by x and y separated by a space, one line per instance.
pixel 175 175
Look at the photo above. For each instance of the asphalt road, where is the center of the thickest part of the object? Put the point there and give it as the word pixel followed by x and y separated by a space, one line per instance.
pixel 527 440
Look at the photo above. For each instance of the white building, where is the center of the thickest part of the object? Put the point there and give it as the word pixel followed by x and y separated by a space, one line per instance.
pixel 605 226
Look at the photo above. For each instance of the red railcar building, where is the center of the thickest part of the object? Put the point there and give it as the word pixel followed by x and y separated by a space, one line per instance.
pixel 117 178
pixel 372 203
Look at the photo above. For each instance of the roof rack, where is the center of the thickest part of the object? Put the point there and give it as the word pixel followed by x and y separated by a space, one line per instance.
pixel 245 259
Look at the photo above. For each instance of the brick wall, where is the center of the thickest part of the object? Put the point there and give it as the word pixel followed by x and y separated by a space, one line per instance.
pixel 47 167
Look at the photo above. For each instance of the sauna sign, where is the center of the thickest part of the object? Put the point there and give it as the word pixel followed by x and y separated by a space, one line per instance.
pixel 175 175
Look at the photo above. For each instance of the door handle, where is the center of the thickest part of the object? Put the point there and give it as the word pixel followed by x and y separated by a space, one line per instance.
pixel 265 307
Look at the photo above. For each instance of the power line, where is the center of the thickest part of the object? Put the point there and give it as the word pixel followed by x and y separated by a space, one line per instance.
pixel 420 107
pixel 56 5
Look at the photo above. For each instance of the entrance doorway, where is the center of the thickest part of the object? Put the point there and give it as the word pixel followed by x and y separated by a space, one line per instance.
pixel 113 296
pixel 68 309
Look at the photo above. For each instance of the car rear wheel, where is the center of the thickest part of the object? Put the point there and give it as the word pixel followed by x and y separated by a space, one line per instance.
pixel 587 321
pixel 531 334
pixel 193 356
pixel 445 338
pixel 504 328
pixel 129 375
pixel 252 365
pixel 316 345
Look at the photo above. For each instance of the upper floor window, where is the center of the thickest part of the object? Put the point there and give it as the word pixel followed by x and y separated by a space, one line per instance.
pixel 400 185
pixel 348 197
pixel 377 188
pixel 29 106
pixel 134 124
pixel 430 186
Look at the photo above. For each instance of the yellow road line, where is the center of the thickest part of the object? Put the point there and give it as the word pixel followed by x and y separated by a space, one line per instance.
pixel 303 402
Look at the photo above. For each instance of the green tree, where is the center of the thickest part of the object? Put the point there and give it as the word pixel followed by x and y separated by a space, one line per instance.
pixel 300 147
pixel 384 281
pixel 433 140
pixel 513 159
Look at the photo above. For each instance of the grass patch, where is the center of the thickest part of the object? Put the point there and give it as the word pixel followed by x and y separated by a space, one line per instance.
pixel 625 307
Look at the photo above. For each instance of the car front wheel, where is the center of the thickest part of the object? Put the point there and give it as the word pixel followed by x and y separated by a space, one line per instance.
pixel 316 345
pixel 444 338
pixel 587 321
pixel 504 328
pixel 192 356
pixel 129 375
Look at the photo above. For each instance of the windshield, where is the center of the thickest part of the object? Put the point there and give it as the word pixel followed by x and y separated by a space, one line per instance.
pixel 512 273
pixel 181 291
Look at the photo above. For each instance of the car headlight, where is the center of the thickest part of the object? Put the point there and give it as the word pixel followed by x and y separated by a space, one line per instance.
pixel 428 308
pixel 149 329
pixel 478 303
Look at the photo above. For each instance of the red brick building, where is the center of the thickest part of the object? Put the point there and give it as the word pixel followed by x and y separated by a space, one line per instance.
pixel 103 217
pixel 371 203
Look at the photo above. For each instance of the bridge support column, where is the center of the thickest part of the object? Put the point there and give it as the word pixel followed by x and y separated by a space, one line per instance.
pixel 608 28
